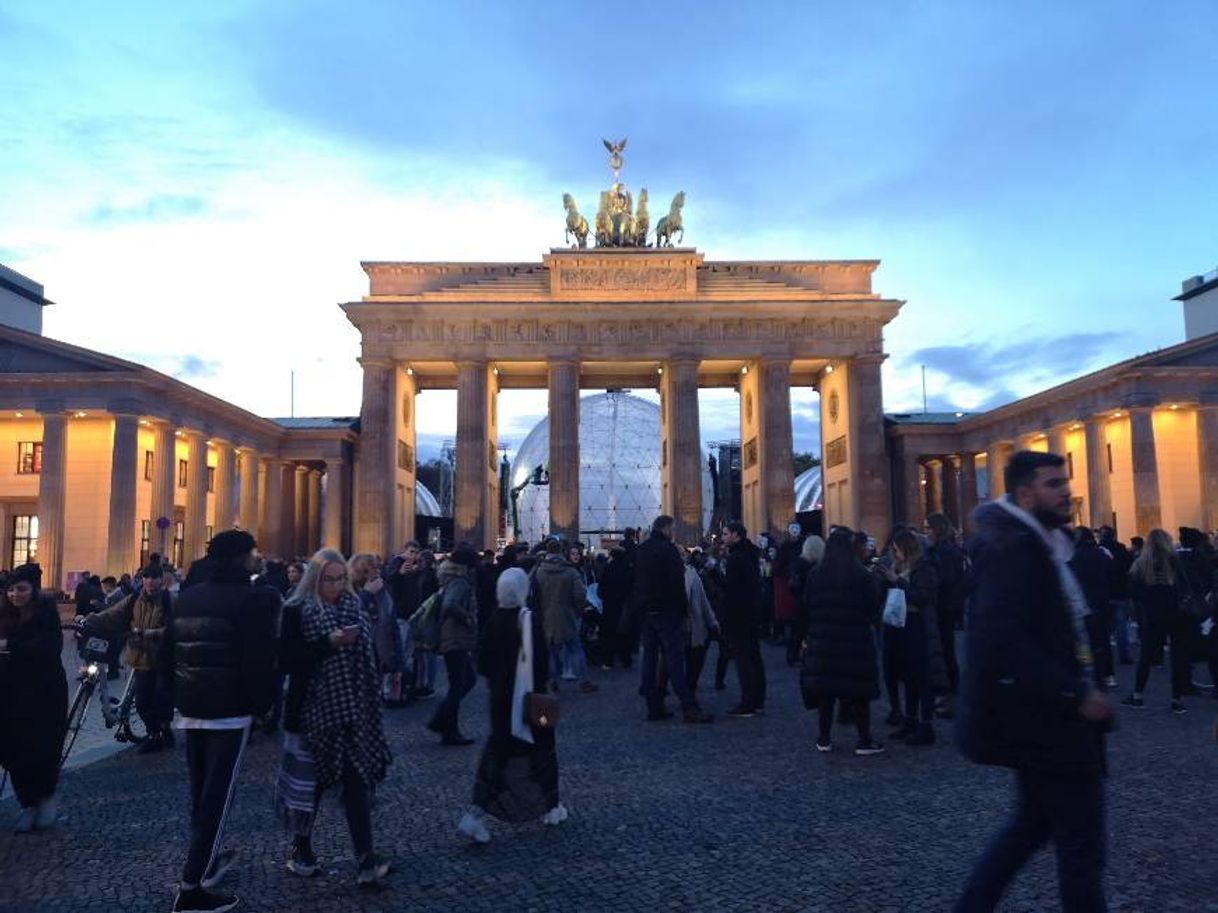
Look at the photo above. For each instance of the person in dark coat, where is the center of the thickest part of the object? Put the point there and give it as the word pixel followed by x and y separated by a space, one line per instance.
pixel 952 567
pixel 222 638
pixel 841 604
pixel 919 648
pixel 1027 700
pixel 1092 567
pixel 1157 585
pixel 741 621
pixel 614 589
pixel 33 696
pixel 517 778
pixel 659 595
pixel 1119 607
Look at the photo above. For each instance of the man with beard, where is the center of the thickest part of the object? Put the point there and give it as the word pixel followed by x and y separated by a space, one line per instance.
pixel 1027 699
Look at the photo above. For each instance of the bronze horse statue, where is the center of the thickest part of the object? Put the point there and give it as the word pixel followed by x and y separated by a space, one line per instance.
pixel 576 224
pixel 670 224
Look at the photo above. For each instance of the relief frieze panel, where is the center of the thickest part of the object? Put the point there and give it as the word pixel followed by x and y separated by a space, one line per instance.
pixel 619 332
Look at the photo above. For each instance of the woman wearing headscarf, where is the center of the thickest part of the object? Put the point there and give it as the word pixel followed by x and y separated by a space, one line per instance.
pixel 33 696
pixel 341 710
pixel 517 777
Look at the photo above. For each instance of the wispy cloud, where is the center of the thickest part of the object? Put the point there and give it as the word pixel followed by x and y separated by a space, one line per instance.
pixel 162 208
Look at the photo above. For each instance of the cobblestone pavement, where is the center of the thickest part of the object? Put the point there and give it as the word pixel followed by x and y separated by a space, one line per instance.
pixel 742 815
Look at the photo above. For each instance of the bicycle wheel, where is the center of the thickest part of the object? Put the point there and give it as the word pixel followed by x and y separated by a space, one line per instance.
pixel 76 717
pixel 131 726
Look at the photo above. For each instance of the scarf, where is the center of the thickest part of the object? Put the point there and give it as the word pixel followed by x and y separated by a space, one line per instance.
pixel 1061 550
pixel 341 712
pixel 523 683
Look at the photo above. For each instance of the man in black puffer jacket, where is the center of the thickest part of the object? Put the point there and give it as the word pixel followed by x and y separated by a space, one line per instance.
pixel 1026 698
pixel 742 619
pixel 223 649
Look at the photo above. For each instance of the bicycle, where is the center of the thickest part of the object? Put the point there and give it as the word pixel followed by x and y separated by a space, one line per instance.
pixel 116 711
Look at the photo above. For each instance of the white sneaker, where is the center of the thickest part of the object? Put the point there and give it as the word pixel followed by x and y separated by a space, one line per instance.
pixel 25 821
pixel 473 826
pixel 555 816
pixel 46 813
pixel 1110 682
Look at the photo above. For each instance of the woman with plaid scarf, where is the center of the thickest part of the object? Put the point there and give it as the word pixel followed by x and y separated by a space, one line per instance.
pixel 341 713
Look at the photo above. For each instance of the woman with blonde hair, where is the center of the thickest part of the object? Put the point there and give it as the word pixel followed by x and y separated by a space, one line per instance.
pixel 334 705
pixel 1155 587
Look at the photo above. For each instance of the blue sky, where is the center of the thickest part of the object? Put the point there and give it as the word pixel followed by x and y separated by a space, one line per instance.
pixel 196 184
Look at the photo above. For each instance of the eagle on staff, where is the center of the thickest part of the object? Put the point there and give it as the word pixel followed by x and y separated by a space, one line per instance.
pixel 615 155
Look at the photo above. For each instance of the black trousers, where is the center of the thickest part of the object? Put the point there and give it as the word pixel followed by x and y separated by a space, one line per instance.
pixel 357 806
pixel 213 760
pixel 153 699
pixel 725 657
pixel 1160 628
pixel 461 679
pixel 746 650
pixel 947 635
pixel 1067 809
pixel 860 709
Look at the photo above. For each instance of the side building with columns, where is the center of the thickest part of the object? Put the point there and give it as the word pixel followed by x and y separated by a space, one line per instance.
pixel 108 461
pixel 1140 438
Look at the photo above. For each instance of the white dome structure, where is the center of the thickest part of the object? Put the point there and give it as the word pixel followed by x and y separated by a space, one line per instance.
pixel 809 491
pixel 619 470
pixel 425 503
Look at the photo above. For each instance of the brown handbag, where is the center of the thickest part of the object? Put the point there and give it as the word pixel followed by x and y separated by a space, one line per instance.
pixel 541 710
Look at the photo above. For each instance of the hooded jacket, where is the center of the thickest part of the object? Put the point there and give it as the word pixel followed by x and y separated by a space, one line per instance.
pixel 458 608
pixel 561 596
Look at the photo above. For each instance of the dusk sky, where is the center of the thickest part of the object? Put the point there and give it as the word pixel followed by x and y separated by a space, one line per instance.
pixel 195 184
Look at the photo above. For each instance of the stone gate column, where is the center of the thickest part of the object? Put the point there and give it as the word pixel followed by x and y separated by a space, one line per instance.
pixel 334 505
pixel 52 487
pixel 247 495
pixel 226 471
pixel 869 463
pixel 996 456
pixel 300 511
pixel 778 467
pixel 470 520
pixel 1146 508
pixel 1099 494
pixel 563 383
pixel 951 490
pixel 271 538
pixel 968 490
pixel 375 493
pixel 313 522
pixel 164 487
pixel 194 536
pixel 1058 442
pixel 121 554
pixel 681 458
pixel 910 481
pixel 1207 451
pixel 932 498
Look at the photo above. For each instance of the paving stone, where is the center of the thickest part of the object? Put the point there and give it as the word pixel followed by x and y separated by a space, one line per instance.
pixel 741 815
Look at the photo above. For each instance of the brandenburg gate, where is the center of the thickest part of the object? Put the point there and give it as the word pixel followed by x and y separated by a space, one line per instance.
pixel 618 316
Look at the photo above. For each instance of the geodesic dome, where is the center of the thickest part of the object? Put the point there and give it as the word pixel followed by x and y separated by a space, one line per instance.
pixel 809 491
pixel 619 470
pixel 425 503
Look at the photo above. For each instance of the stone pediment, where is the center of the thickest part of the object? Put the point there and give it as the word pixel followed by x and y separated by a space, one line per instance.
pixel 26 353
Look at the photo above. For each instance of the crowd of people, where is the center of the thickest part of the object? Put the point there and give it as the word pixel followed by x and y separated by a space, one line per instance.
pixel 324 647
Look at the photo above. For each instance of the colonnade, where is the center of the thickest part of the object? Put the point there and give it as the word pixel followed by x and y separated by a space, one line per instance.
pixel 1147 464
pixel 226 485
pixel 387 426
